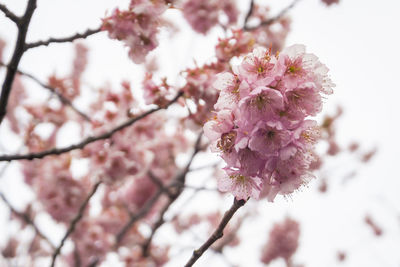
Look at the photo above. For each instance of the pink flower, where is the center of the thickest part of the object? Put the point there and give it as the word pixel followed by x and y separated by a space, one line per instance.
pixel 268 140
pixel 239 43
pixel 137 27
pixel 255 66
pixel 79 65
pixel 262 103
pixel 242 187
pixel 203 15
pixel 283 241
pixel 260 129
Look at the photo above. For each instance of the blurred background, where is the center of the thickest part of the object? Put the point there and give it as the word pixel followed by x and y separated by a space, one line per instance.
pixel 359 42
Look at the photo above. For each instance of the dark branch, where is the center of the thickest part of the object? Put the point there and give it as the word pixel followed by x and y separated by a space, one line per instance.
pixel 248 15
pixel 74 222
pixel 229 237
pixel 88 140
pixel 54 91
pixel 27 219
pixel 218 233
pixel 158 224
pixel 174 189
pixel 18 52
pixel 273 19
pixel 172 197
pixel 205 167
pixel 137 216
pixel 85 34
pixel 9 14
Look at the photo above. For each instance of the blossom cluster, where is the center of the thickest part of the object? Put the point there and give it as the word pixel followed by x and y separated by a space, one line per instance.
pixel 261 128
pixel 137 27
pixel 283 241
pixel 203 15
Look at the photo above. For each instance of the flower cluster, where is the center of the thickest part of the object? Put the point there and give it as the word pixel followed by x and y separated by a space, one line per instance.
pixel 283 241
pixel 137 27
pixel 203 15
pixel 260 127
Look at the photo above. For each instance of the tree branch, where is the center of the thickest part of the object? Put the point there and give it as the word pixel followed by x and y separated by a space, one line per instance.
pixel 18 52
pixel 172 197
pixel 135 217
pixel 9 14
pixel 230 237
pixel 218 233
pixel 85 34
pixel 74 222
pixel 88 140
pixel 54 91
pixel 176 184
pixel 248 15
pixel 273 19
pixel 158 224
pixel 27 219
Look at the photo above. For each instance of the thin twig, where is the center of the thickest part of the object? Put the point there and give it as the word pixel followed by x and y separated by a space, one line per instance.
pixel 158 224
pixel 204 167
pixel 273 19
pixel 74 222
pixel 218 233
pixel 9 14
pixel 88 140
pixel 27 219
pixel 85 34
pixel 135 217
pixel 18 52
pixel 201 188
pixel 172 197
pixel 230 237
pixel 54 91
pixel 159 183
pixel 248 15
pixel 176 184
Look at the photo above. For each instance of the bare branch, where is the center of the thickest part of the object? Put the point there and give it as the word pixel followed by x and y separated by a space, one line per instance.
pixel 88 140
pixel 273 19
pixel 137 216
pixel 85 34
pixel 54 91
pixel 9 14
pixel 158 224
pixel 248 15
pixel 18 52
pixel 176 184
pixel 230 236
pixel 205 167
pixel 218 233
pixel 27 219
pixel 172 197
pixel 74 222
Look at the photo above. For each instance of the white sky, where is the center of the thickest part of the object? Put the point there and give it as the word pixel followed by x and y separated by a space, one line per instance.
pixel 358 40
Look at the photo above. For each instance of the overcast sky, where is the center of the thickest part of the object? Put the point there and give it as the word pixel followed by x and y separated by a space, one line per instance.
pixel 358 40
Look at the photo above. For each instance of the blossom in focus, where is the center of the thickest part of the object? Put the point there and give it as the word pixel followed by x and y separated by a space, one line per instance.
pixel 261 127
